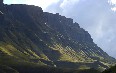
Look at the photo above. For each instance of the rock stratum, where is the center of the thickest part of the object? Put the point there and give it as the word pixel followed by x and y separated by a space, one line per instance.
pixel 33 41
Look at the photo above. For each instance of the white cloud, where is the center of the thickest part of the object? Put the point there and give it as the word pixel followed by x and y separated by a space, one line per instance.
pixel 68 3
pixel 113 9
pixel 11 1
pixel 112 1
pixel 40 3
pixel 113 4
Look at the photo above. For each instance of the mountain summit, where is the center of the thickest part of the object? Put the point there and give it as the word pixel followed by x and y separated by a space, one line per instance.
pixel 1 1
pixel 30 38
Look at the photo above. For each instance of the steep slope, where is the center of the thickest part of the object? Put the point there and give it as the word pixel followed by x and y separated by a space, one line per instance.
pixel 30 36
pixel 111 70
pixel 6 69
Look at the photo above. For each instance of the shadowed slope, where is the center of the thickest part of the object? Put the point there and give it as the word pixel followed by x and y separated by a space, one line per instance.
pixel 29 36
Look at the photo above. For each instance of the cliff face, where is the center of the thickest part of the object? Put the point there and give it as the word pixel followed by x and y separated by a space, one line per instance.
pixel 30 35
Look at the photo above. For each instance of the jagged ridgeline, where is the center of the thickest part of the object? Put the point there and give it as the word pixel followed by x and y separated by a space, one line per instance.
pixel 30 37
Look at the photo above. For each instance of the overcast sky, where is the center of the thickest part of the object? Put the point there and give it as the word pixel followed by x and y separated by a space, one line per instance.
pixel 98 17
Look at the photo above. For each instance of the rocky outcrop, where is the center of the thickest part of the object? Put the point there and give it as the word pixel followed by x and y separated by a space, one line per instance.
pixel 1 1
pixel 29 34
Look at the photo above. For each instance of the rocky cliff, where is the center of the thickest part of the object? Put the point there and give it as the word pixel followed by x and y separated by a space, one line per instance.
pixel 29 35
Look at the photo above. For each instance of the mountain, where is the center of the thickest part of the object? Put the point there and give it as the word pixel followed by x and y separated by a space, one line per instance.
pixel 111 70
pixel 34 41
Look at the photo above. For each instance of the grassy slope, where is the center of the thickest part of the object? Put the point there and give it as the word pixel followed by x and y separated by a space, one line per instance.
pixel 11 64
pixel 111 70
pixel 7 69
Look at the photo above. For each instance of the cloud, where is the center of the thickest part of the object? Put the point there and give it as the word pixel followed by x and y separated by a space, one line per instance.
pixel 113 4
pixel 112 1
pixel 113 9
pixel 68 2
pixel 95 16
pixel 40 3
pixel 11 1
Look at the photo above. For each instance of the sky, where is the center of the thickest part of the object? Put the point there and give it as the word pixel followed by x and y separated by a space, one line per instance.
pixel 98 17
